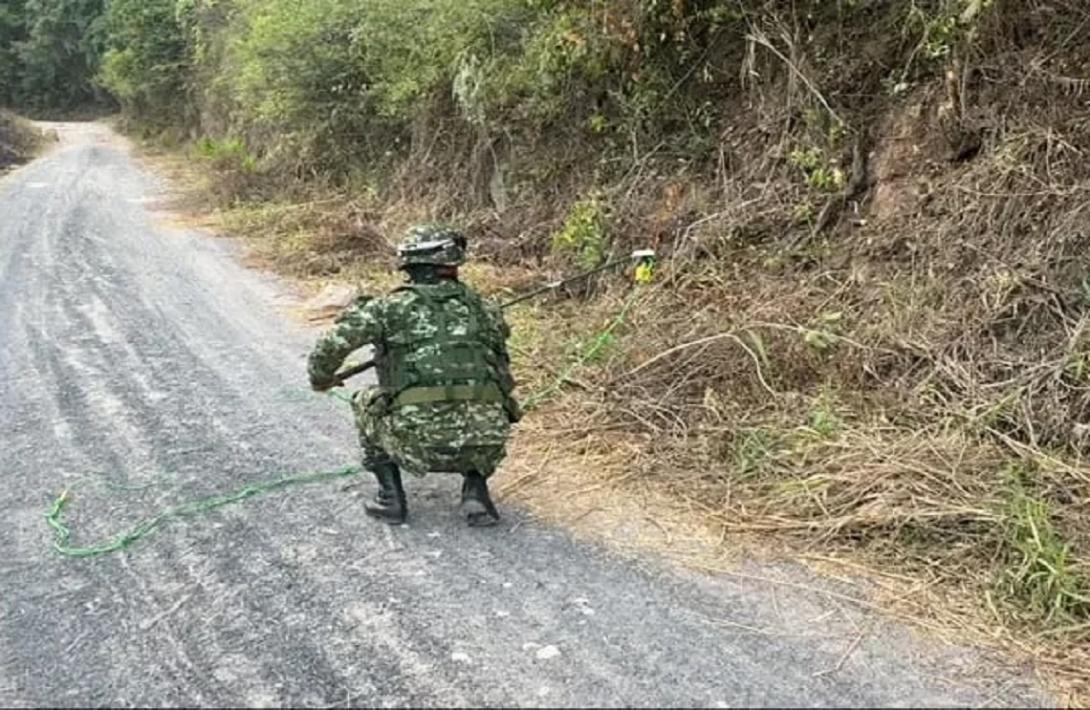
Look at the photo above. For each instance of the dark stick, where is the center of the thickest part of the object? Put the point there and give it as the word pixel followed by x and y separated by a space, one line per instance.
pixel 343 375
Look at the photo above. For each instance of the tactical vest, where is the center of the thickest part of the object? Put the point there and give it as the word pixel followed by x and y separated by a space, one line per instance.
pixel 457 357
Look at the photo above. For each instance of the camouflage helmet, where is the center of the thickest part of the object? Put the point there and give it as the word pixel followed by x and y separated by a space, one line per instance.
pixel 432 244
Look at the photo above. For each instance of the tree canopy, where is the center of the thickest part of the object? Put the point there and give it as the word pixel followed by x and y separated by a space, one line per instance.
pixel 49 53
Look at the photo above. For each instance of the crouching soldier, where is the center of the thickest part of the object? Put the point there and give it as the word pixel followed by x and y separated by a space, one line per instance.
pixel 444 400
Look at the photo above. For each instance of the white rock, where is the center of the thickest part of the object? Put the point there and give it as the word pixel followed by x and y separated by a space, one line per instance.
pixel 548 652
pixel 459 657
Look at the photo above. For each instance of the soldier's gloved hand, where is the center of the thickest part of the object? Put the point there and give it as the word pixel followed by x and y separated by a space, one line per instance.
pixel 514 411
pixel 323 386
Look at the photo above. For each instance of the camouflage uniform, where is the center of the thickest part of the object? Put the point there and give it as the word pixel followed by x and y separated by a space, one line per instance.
pixel 467 432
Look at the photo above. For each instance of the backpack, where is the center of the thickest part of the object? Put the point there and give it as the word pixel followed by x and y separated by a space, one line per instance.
pixel 443 345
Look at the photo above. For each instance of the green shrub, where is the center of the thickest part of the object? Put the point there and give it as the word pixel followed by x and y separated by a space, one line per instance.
pixel 820 173
pixel 56 53
pixel 227 154
pixel 146 63
pixel 333 83
pixel 583 234
pixel 1039 575
pixel 12 29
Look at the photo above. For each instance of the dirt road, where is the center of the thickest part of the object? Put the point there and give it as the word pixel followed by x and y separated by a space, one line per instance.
pixel 141 355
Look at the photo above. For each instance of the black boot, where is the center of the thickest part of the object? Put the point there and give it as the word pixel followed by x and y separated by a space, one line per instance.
pixel 477 504
pixel 389 504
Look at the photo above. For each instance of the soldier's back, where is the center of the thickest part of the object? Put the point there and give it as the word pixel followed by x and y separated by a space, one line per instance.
pixel 446 411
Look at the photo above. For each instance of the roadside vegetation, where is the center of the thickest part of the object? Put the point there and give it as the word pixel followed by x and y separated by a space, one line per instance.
pixel 19 141
pixel 869 335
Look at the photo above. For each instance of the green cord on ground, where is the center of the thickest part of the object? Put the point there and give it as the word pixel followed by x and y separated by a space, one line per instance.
pixel 341 396
pixel 54 515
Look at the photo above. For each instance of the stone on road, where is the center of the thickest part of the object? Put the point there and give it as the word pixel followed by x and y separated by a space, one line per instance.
pixel 142 366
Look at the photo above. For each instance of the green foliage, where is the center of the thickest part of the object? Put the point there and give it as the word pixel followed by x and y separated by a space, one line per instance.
pixel 584 233
pixel 1077 360
pixel 58 53
pixel 801 490
pixel 823 419
pixel 344 87
pixel 939 27
pixel 754 452
pixel 12 31
pixel 562 59
pixel 1039 575
pixel 823 334
pixel 415 49
pixel 1077 367
pixel 146 62
pixel 338 82
pixel 802 213
pixel 227 154
pixel 295 76
pixel 615 67
pixel 820 173
pixel 806 159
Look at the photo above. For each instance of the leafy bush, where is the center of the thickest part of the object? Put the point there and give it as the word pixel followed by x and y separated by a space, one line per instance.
pixel 329 83
pixel 56 57
pixel 583 234
pixel 227 154
pixel 1041 575
pixel 11 31
pixel 820 173
pixel 146 63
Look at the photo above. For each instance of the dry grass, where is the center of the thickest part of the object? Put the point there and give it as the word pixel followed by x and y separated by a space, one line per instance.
pixel 903 388
pixel 886 437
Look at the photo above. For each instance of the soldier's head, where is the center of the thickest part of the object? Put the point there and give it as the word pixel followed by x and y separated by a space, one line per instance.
pixel 431 252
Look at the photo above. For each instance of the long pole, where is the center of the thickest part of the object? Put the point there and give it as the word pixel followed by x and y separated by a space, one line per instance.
pixel 343 375
pixel 557 284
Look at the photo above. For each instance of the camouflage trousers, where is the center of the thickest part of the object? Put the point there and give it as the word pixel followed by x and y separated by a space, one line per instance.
pixel 448 437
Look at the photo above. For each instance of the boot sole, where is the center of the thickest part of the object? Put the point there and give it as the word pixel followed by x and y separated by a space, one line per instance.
pixel 477 515
pixel 385 517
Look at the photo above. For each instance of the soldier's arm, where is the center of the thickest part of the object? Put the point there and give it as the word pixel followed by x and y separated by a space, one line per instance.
pixel 507 382
pixel 496 314
pixel 358 326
